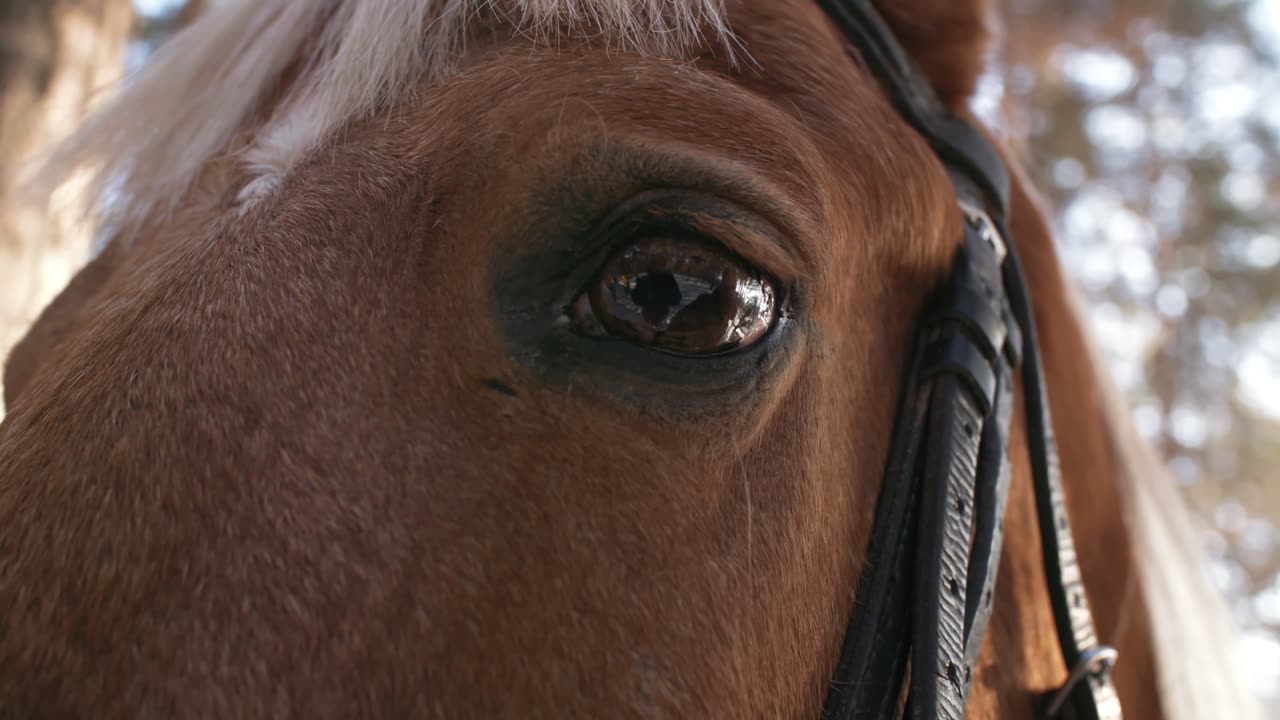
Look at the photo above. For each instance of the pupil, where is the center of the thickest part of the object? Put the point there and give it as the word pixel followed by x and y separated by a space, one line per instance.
pixel 656 291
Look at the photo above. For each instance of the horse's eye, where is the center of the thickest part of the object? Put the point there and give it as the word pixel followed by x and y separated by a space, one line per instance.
pixel 679 294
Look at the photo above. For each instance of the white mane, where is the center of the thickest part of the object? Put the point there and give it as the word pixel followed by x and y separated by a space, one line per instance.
pixel 189 102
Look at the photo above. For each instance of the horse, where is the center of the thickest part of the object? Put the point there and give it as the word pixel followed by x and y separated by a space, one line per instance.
pixel 385 396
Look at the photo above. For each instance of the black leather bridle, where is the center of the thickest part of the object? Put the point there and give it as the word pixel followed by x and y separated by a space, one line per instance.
pixel 925 595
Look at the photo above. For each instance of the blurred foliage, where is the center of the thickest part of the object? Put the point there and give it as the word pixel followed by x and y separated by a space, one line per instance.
pixel 1153 129
pixel 54 57
pixel 157 21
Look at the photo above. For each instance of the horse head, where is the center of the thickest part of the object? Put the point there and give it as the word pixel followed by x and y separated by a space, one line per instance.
pixel 479 359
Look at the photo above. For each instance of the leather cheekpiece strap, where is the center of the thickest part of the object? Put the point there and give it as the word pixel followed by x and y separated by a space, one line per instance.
pixel 954 569
pixel 925 596
pixel 872 667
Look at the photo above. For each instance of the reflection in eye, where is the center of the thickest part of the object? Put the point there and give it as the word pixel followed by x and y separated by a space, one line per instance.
pixel 679 294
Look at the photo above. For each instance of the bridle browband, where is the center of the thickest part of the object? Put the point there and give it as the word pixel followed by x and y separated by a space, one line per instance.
pixel 925 595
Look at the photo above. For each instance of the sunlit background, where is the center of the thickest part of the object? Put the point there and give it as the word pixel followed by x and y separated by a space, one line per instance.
pixel 1153 128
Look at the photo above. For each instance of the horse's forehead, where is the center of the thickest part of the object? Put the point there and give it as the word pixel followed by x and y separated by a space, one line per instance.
pixel 799 140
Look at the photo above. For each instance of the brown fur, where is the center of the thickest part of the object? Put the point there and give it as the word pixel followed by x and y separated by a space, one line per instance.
pixel 948 39
pixel 256 467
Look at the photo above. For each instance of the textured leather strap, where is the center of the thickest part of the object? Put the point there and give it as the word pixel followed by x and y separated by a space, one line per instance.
pixel 925 591
pixel 938 678
pixel 991 497
pixel 955 551
pixel 1095 698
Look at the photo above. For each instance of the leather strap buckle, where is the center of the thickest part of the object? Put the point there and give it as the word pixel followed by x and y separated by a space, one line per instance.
pixel 981 221
pixel 1093 662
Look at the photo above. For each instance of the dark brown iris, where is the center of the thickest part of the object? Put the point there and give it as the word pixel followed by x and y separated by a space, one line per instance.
pixel 679 294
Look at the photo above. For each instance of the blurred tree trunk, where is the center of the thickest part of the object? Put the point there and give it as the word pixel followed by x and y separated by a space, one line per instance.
pixel 56 56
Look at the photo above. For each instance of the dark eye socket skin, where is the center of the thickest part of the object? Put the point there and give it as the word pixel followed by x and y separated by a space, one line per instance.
pixel 544 282
pixel 678 292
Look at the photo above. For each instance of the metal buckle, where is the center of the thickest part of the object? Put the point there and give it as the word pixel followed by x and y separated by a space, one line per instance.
pixel 1095 661
pixel 981 221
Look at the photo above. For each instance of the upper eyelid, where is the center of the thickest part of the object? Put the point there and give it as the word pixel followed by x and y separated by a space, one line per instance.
pixel 789 204
pixel 740 230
